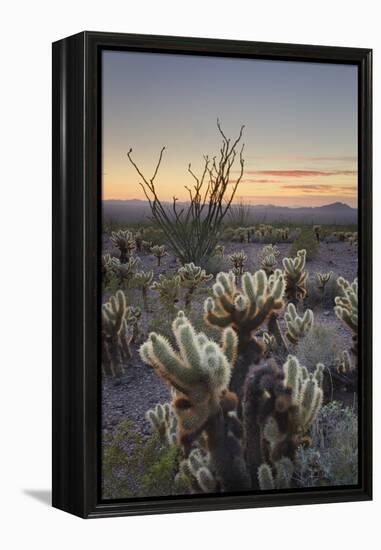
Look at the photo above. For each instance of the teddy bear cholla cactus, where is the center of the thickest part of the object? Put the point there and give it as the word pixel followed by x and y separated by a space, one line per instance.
pixel 284 470
pixel 124 271
pixel 191 277
pixel 195 473
pixel 125 242
pixel 245 309
pixel 238 259
pixel 322 280
pixel 346 307
pixel 297 327
pixel 296 276
pixel 168 288
pixel 199 373
pixel 143 280
pixel 159 252
pixel 164 422
pixel 116 335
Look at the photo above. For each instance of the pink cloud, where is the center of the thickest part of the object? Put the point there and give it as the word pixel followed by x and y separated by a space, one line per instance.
pixel 302 173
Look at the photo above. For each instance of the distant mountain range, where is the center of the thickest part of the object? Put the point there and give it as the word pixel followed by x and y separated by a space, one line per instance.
pixel 135 211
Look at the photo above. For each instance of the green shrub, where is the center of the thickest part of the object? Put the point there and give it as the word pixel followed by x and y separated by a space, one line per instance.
pixel 307 241
pixel 145 468
pixel 333 459
pixel 318 346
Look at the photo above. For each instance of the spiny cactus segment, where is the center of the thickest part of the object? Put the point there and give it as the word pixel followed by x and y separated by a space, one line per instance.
pixel 296 276
pixel 143 280
pixel 195 471
pixel 168 288
pixel 164 422
pixel 322 280
pixel 284 470
pixel 238 259
pixel 297 327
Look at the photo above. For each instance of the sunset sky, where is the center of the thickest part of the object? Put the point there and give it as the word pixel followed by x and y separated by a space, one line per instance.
pixel 300 125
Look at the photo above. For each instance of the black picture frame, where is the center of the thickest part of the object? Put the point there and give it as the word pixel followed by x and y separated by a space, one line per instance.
pixel 76 218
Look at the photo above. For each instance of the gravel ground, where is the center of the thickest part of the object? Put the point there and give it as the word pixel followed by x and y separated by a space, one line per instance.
pixel 140 389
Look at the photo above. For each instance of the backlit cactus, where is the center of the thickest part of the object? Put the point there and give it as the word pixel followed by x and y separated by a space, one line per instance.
pixel 195 471
pixel 284 469
pixel 125 272
pixel 238 259
pixel 322 280
pixel 296 276
pixel 199 370
pixel 317 230
pixel 191 277
pixel 245 309
pixel 159 252
pixel 143 280
pixel 168 288
pixel 297 326
pixel 116 335
pixel 346 307
pixel 164 422
pixel 124 241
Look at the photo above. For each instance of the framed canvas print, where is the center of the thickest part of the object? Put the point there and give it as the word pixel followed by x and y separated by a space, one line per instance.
pixel 212 274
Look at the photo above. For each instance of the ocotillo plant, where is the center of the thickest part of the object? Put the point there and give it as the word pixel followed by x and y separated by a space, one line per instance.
pixel 199 372
pixel 143 280
pixel 192 230
pixel 238 259
pixel 159 252
pixel 322 279
pixel 297 326
pixel 296 277
pixel 124 241
pixel 116 336
pixel 168 288
pixel 346 308
pixel 191 278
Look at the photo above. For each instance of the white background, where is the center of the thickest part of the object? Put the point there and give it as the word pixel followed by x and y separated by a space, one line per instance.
pixel 27 30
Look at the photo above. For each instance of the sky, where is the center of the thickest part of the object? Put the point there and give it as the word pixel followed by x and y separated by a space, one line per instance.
pixel 300 125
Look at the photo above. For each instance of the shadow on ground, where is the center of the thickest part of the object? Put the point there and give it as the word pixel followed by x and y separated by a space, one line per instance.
pixel 42 495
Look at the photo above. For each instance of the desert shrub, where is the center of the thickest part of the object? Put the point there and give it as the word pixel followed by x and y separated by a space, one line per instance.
pixel 306 240
pixel 318 298
pixel 318 346
pixel 333 460
pixel 145 468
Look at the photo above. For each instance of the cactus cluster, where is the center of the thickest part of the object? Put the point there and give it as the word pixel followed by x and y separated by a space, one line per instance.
pixel 238 259
pixel 296 277
pixel 195 472
pixel 297 327
pixel 346 308
pixel 267 258
pixel 322 280
pixel 125 272
pixel 168 288
pixel 284 470
pixel 191 277
pixel 143 280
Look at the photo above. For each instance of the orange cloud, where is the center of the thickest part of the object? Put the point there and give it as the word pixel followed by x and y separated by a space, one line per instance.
pixel 302 173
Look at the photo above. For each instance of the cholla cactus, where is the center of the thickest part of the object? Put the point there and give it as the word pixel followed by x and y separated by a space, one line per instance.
pixel 344 364
pixel 269 263
pixel 147 245
pixel 116 337
pixel 191 277
pixel 284 470
pixel 219 250
pixel 164 422
pixel 195 472
pixel 199 371
pixel 346 308
pixel 133 316
pixel 296 276
pixel 143 280
pixel 245 310
pixel 124 241
pixel 238 260
pixel 317 230
pixel 297 327
pixel 159 252
pixel 241 234
pixel 106 268
pixel 322 279
pixel 125 271
pixel 138 238
pixel 270 343
pixel 168 289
